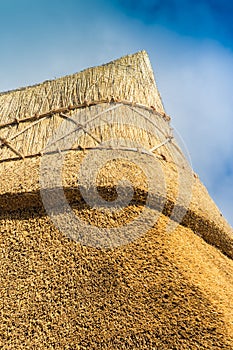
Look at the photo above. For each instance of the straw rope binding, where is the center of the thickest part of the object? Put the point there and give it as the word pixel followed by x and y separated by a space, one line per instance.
pixel 114 104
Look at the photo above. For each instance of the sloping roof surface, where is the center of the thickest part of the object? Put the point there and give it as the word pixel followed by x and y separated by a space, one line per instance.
pixel 164 290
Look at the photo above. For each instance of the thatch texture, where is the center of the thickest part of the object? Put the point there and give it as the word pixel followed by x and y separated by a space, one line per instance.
pixel 162 290
pixel 121 79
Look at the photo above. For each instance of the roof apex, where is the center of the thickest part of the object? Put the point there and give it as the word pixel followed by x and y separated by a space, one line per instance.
pixel 128 78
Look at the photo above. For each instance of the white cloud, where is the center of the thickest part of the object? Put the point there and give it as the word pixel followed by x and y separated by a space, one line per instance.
pixel 197 92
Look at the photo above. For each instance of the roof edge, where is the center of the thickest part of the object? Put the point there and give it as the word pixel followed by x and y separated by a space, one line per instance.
pixel 21 88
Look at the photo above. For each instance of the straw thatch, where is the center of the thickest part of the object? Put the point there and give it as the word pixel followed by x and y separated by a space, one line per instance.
pixel 162 290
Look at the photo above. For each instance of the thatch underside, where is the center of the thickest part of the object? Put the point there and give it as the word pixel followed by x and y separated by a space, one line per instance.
pixel 162 290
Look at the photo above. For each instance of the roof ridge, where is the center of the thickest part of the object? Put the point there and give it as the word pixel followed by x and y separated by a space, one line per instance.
pixel 143 52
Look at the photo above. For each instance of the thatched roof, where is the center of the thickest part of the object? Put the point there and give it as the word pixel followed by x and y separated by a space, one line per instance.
pixel 163 290
pixel 29 114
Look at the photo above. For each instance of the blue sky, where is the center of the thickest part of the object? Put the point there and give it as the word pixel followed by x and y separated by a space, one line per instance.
pixel 190 44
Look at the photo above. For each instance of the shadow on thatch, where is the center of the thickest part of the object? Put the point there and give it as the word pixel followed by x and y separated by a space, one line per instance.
pixel 26 205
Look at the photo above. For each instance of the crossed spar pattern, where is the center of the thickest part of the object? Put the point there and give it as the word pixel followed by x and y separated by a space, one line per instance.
pixel 14 144
pixel 121 129
pixel 114 126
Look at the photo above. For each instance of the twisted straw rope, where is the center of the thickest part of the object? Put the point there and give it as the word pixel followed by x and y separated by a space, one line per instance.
pixel 61 112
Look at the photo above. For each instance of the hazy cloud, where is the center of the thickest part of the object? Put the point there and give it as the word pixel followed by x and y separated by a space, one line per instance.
pixel 197 93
